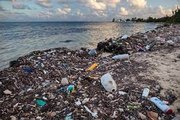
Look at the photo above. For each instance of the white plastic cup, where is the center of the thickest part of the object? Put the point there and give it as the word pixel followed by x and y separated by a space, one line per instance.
pixel 120 57
pixel 108 83
pixel 161 105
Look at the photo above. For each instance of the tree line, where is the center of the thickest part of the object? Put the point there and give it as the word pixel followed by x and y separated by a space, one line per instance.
pixel 174 18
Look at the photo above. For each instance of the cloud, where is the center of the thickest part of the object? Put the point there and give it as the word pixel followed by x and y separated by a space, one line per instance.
pixel 164 11
pixel 44 3
pixel 18 5
pixel 110 3
pixel 79 13
pixel 64 11
pixel 93 4
pixel 137 3
pixel 123 11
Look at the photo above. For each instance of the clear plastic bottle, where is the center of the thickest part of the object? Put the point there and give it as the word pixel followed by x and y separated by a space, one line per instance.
pixel 120 57
pixel 108 83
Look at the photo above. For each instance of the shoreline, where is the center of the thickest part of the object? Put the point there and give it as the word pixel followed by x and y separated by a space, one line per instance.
pixel 39 74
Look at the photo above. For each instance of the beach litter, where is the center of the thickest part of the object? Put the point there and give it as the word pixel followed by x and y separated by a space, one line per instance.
pixel 80 84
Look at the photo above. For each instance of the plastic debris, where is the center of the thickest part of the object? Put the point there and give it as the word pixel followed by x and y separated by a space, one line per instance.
pixel 108 83
pixel 142 116
pixel 64 81
pixel 50 66
pixel 165 108
pixel 85 100
pixel 68 117
pixel 150 46
pixel 7 92
pixel 94 114
pixel 92 67
pixel 78 103
pixel 40 103
pixel 122 93
pixel 170 42
pixel 145 92
pixel 92 52
pixel 121 57
pixel 70 88
pixel 27 69
pixel 124 37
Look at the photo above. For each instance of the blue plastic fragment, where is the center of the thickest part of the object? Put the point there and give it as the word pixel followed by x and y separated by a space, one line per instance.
pixel 27 69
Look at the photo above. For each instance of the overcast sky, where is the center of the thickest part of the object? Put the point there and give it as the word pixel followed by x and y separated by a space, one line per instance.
pixel 83 10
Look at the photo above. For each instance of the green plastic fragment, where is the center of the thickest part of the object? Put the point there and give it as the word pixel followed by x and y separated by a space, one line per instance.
pixel 40 102
pixel 70 88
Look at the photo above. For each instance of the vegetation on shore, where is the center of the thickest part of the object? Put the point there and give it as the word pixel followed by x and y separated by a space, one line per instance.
pixel 175 18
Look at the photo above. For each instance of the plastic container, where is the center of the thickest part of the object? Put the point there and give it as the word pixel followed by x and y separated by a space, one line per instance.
pixel 120 57
pixel 108 83
pixel 145 92
pixel 161 105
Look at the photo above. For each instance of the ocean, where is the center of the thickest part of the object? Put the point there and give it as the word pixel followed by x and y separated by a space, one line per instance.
pixel 18 39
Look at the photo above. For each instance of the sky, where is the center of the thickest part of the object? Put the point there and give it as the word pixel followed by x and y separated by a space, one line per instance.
pixel 83 10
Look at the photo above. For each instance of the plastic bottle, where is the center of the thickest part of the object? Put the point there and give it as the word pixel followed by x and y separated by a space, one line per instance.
pixel 108 83
pixel 161 105
pixel 145 92
pixel 120 57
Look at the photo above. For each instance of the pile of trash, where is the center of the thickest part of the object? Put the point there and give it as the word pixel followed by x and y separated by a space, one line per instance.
pixel 83 84
pixel 162 37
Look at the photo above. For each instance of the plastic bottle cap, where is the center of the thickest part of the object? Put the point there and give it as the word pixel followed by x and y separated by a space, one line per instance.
pixel 170 111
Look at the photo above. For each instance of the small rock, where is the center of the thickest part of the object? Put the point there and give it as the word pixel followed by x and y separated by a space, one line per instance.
pixel 152 115
pixel 115 114
pixel 13 118
pixel 142 116
pixel 38 118
pixel 121 110
pixel 51 114
pixel 110 96
pixel 51 96
pixel 64 81
pixel 7 92
pixel 85 100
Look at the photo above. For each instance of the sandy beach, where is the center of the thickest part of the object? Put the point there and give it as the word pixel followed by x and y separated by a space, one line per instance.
pixel 164 68
pixel 37 78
